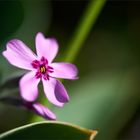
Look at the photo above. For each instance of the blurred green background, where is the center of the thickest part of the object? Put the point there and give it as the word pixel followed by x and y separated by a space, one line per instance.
pixel 106 96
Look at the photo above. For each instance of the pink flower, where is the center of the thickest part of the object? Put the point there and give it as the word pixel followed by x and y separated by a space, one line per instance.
pixel 40 68
pixel 40 110
pixel 43 111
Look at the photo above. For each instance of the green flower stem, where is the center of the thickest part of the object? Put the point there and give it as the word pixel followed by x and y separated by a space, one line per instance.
pixel 83 29
pixel 75 44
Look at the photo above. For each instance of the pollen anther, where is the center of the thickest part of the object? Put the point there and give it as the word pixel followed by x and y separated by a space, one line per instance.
pixel 43 69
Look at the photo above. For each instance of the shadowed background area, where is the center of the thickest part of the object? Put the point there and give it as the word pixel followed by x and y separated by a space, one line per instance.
pixel 106 96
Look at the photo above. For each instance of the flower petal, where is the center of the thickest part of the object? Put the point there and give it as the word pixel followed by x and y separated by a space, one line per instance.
pixel 64 70
pixel 46 47
pixel 43 111
pixel 55 92
pixel 60 92
pixel 28 87
pixel 19 55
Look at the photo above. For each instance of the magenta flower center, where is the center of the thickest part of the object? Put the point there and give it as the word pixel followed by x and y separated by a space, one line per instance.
pixel 43 69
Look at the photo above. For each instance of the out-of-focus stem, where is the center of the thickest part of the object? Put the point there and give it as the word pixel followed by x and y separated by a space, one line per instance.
pixel 83 29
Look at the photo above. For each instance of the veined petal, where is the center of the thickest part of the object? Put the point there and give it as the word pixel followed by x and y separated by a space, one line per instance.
pixel 55 92
pixel 29 87
pixel 43 111
pixel 46 47
pixel 64 70
pixel 19 55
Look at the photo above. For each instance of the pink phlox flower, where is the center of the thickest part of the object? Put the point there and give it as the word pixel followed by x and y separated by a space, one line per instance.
pixel 41 68
pixel 40 110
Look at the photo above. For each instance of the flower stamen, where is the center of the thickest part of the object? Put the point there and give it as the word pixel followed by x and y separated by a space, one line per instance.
pixel 43 69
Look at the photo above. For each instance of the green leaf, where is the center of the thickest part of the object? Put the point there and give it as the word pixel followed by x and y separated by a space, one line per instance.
pixel 49 130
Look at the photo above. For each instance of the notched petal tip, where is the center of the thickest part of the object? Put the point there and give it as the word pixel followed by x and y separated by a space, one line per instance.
pixel 46 47
pixel 41 35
